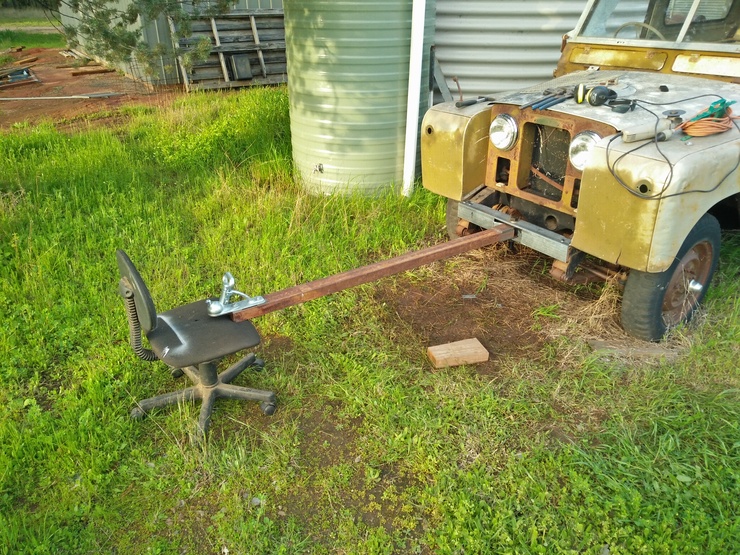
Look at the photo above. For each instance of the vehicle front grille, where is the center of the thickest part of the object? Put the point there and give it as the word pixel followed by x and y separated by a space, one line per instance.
pixel 549 161
pixel 537 169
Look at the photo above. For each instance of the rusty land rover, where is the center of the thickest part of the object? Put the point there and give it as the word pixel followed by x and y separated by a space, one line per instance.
pixel 624 166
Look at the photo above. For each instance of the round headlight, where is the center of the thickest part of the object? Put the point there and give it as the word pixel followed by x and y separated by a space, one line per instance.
pixel 503 132
pixel 581 147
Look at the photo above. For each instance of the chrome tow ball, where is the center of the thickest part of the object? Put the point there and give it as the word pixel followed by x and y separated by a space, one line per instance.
pixel 226 303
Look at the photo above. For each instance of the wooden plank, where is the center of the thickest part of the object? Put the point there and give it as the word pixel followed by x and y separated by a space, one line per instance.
pixel 257 41
pixel 278 69
pixel 183 70
pixel 210 69
pixel 92 71
pixel 239 25
pixel 221 57
pixel 467 351
pixel 26 61
pixel 257 81
pixel 351 278
pixel 234 43
pixel 258 12
pixel 201 73
pixel 77 65
pixel 20 83
pixel 245 48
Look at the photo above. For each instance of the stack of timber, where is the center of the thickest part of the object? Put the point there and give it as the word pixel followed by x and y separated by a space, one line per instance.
pixel 247 49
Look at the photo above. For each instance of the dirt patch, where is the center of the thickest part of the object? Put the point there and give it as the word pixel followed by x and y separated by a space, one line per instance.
pixel 506 300
pixel 59 83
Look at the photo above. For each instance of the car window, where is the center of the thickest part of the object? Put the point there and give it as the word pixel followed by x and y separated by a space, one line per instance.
pixel 609 17
pixel 663 20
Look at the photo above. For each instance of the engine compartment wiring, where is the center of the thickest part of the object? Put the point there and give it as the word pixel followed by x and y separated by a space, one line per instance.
pixel 695 127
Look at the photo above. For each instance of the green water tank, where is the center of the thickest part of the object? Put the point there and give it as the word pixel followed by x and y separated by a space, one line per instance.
pixel 348 74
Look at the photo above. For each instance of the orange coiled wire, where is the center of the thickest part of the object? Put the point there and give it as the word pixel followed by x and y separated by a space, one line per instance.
pixel 708 126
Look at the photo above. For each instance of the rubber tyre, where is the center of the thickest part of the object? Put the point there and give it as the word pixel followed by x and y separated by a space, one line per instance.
pixel 451 218
pixel 652 304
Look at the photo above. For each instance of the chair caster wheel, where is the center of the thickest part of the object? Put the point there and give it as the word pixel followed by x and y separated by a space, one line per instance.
pixel 268 409
pixel 258 365
pixel 177 373
pixel 137 413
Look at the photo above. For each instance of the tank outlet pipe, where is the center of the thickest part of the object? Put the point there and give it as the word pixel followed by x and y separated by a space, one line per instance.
pixel 416 56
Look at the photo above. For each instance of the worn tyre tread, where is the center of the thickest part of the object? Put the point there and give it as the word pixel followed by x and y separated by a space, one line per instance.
pixel 642 307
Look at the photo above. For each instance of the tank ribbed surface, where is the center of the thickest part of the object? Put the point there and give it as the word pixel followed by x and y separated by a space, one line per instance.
pixel 348 65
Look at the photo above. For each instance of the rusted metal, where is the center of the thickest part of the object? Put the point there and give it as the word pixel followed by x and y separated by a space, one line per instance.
pixel 558 270
pixel 463 228
pixel 547 178
pixel 372 272
pixel 589 274
pixel 520 157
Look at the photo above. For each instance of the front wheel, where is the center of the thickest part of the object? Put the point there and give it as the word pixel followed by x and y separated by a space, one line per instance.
pixel 654 303
pixel 451 218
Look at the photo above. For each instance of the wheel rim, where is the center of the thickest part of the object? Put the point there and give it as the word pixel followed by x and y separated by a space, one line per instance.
pixel 687 284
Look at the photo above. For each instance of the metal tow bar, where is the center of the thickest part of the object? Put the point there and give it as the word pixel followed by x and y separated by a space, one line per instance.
pixel 358 276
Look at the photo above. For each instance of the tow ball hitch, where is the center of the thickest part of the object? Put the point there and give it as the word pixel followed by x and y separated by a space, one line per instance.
pixel 224 304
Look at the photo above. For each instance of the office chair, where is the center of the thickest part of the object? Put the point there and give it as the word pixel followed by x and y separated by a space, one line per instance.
pixel 189 341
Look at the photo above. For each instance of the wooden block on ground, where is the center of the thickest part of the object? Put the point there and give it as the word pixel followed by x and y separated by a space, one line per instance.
pixel 467 351
pixel 92 71
pixel 77 65
pixel 26 60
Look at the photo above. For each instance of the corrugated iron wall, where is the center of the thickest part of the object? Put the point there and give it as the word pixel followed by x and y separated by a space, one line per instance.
pixel 493 46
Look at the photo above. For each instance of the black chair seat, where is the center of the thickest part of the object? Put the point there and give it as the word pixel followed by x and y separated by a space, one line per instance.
pixel 190 342
pixel 185 334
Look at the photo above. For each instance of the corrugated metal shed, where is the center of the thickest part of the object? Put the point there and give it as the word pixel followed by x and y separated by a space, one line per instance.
pixel 493 46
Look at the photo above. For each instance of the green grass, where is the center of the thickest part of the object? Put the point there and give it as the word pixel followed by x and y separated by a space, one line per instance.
pixel 370 451
pixel 31 40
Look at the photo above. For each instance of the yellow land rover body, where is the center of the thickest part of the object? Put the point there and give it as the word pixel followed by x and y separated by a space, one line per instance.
pixel 602 168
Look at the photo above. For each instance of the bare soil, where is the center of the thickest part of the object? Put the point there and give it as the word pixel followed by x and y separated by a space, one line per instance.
pixel 56 81
pixel 506 300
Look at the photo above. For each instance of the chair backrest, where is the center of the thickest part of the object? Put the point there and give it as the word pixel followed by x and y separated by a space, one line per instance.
pixel 145 310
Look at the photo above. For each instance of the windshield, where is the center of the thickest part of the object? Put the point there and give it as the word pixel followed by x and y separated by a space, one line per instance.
pixel 712 21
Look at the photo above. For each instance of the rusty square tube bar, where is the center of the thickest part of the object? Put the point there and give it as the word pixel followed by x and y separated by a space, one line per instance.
pixel 372 272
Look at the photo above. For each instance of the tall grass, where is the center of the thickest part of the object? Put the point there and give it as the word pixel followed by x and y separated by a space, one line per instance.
pixel 369 451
